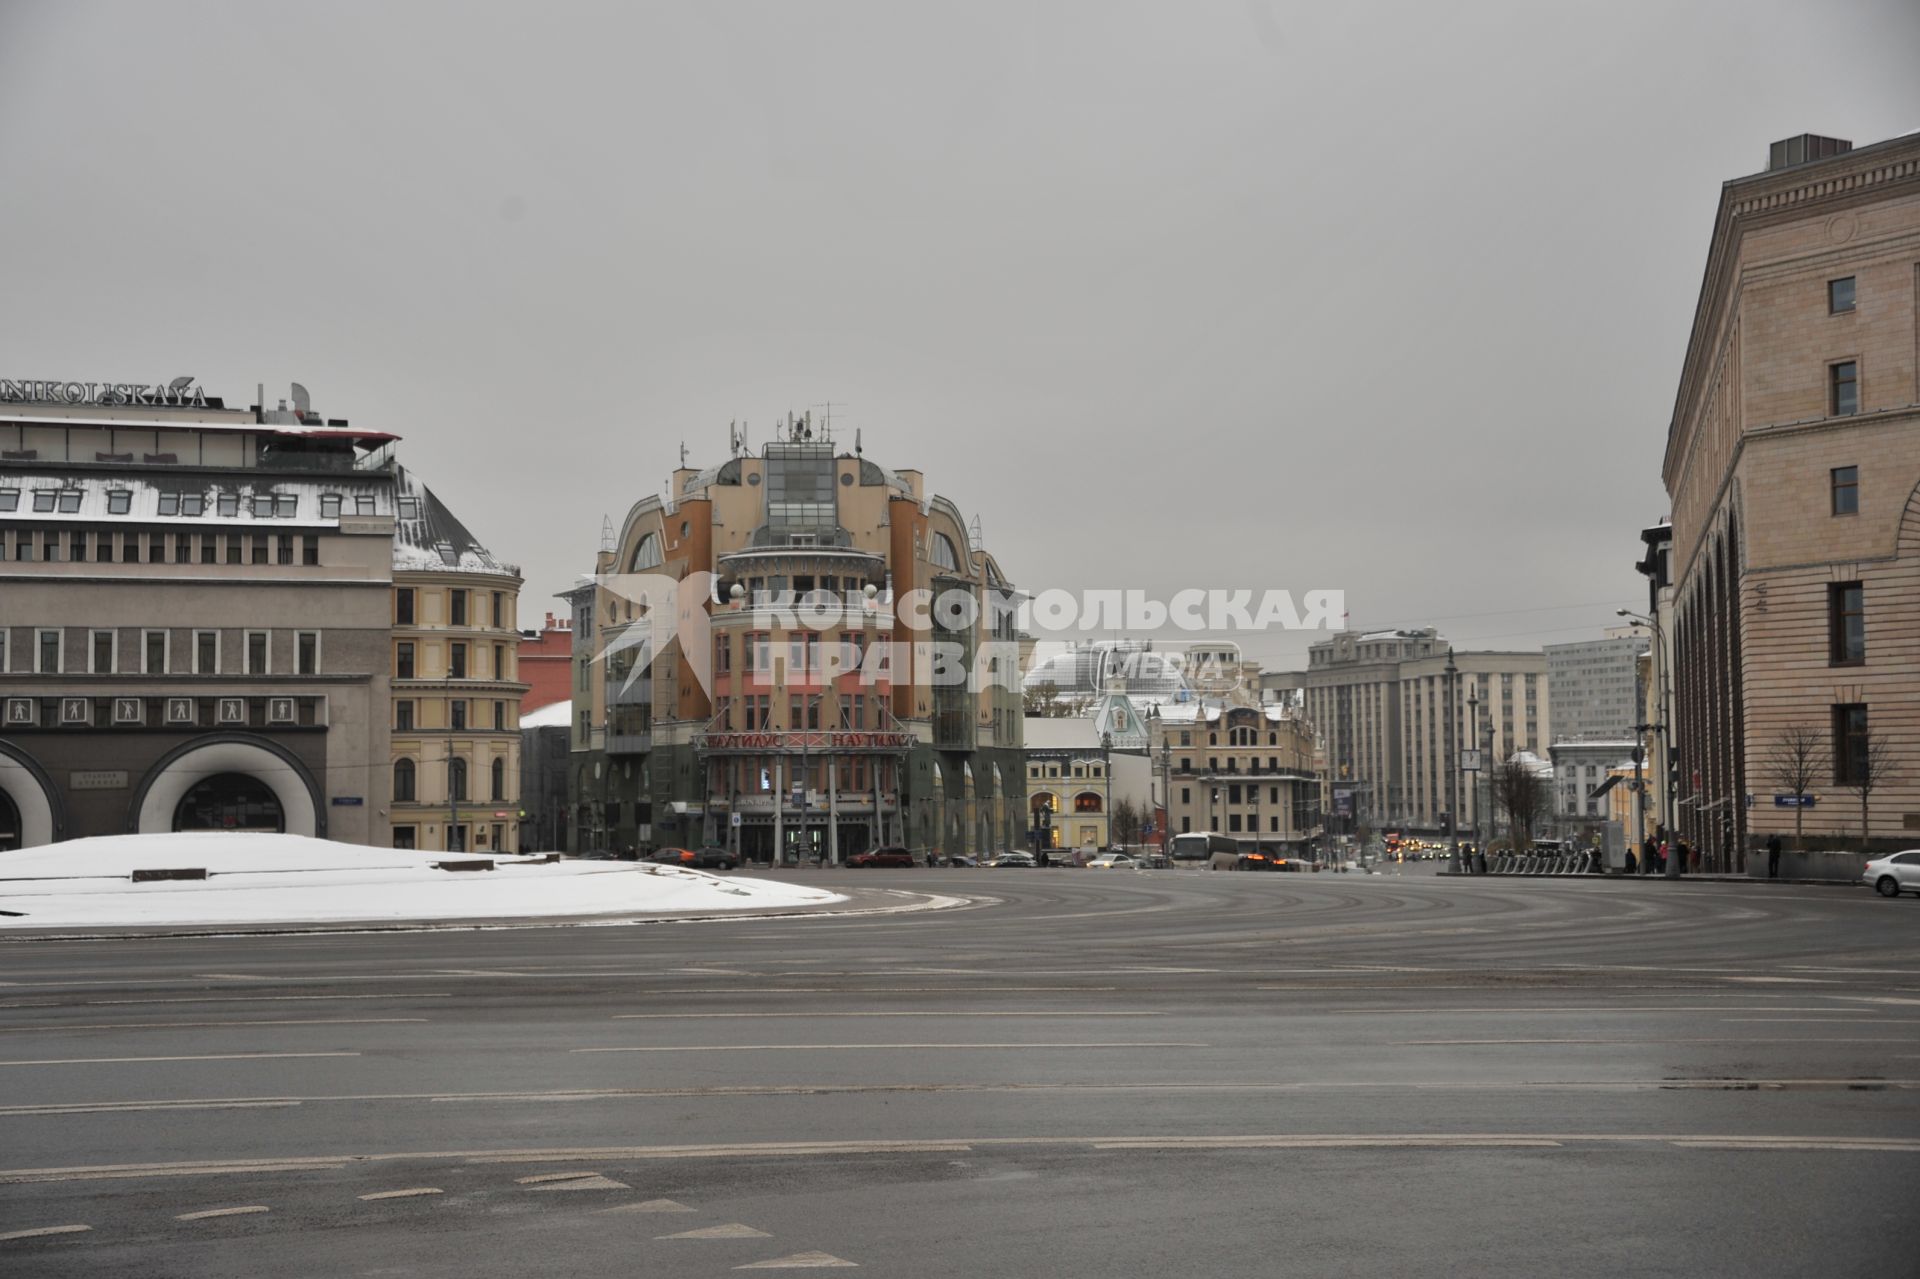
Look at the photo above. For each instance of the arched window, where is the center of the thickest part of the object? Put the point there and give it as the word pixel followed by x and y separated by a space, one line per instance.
pixel 942 553
pixel 1086 802
pixel 457 778
pixel 646 555
pixel 499 779
pixel 403 781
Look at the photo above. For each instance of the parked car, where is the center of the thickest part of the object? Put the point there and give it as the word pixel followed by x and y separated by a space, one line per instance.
pixel 1112 861
pixel 1895 873
pixel 712 858
pixel 959 859
pixel 670 856
pixel 1014 860
pixel 892 856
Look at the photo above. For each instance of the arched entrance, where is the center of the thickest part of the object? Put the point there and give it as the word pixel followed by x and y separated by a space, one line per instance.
pixel 225 776
pixel 30 813
pixel 230 801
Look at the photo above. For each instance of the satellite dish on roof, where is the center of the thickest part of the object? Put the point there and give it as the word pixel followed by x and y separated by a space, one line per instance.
pixel 302 402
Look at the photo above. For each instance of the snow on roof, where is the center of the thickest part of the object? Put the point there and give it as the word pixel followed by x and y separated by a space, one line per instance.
pixel 429 538
pixel 90 499
pixel 1065 733
pixel 556 715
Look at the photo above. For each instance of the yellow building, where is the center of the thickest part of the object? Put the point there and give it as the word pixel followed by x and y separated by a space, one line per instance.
pixel 456 686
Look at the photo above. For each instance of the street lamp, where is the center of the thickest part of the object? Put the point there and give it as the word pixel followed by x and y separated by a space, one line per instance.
pixel 1668 811
pixel 1453 770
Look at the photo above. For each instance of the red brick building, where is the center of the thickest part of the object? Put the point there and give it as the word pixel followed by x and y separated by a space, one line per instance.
pixel 546 663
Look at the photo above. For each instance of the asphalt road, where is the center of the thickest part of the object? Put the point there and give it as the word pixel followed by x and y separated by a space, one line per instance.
pixel 1077 1073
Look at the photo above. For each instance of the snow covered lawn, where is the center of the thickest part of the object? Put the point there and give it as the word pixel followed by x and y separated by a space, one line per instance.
pixel 285 879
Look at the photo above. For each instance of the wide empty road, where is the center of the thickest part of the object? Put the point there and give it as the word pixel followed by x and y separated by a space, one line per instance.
pixel 1074 1073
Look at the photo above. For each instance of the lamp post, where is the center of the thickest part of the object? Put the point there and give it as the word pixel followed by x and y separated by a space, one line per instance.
pixel 1166 789
pixel 1453 770
pixel 1668 813
pixel 1106 781
pixel 1473 726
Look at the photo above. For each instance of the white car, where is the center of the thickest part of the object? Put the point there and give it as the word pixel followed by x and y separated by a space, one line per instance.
pixel 1895 873
pixel 1112 861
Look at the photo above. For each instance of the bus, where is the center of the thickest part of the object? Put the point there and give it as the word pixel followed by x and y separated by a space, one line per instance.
pixel 1203 850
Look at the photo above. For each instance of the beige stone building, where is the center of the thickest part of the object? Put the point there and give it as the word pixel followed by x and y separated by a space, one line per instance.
pixel 194 614
pixel 1793 463
pixel 1251 773
pixel 1382 702
pixel 456 683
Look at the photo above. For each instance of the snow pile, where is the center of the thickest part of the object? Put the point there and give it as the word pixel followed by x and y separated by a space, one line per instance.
pixel 283 879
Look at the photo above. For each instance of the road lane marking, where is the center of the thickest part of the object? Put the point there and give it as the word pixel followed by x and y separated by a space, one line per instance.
pixel 768 1048
pixel 1319 1143
pixel 203 1025
pixel 412 1193
pixel 1824 1021
pixel 732 1230
pixel 126 1107
pixel 650 1205
pixel 801 1261
pixel 205 1214
pixel 572 1181
pixel 917 1013
pixel 1522 1010
pixel 1455 1043
pixel 42 1231
pixel 1788 1143
pixel 217 999
pixel 107 1061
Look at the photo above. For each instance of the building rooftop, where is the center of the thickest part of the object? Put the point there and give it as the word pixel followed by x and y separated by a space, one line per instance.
pixel 429 538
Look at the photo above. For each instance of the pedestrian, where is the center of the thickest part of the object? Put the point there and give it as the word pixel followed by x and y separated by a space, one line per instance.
pixel 1647 853
pixel 1633 863
pixel 1773 857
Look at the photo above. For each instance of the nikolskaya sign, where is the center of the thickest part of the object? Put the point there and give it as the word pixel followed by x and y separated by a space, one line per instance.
pixel 181 391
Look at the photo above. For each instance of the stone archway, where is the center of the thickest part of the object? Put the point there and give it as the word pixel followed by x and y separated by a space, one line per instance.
pixel 170 780
pixel 35 804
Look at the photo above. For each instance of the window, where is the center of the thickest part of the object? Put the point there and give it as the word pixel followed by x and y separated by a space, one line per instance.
pixel 283 548
pixel 44 499
pixel 183 548
pixel 500 717
pixel 457 604
pixel 1846 490
pixel 499 610
pixel 403 784
pixel 1849 743
pixel 363 504
pixel 403 660
pixel 286 505
pixel 1846 623
pixel 310 551
pixel 209 548
pixel 233 548
pixel 259 545
pixel 330 508
pixel 499 661
pixel 193 504
pixel 457 778
pixel 228 504
pixel 403 716
pixel 403 836
pixel 3 650
pixel 1844 381
pixel 46 656
pixel 256 652
pixel 1839 296
pixel 497 788
pixel 262 505
pixel 306 650
pixel 206 652
pixel 119 502
pixel 77 547
pixel 9 499
pixel 403 606
pixel 69 502
pixel 457 709
pixel 457 668
pixel 101 655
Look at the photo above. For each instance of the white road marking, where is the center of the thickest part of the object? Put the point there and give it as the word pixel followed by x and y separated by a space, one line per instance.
pixel 769 1048
pixel 800 1261
pixel 1316 1143
pixel 1788 1143
pixel 412 1193
pixel 123 1107
pixel 221 1212
pixel 918 1013
pixel 217 999
pixel 1451 1043
pixel 43 1230
pixel 107 1061
pixel 1824 1021
pixel 650 1205
pixel 202 1025
pixel 574 1181
pixel 732 1230
pixel 1524 1010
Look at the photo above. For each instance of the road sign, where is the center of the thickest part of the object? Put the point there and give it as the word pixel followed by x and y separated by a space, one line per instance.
pixel 733 819
pixel 1794 801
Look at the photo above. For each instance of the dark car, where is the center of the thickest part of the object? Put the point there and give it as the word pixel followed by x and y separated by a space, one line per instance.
pixel 881 857
pixel 712 858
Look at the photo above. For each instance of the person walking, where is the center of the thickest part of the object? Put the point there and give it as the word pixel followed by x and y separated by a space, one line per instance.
pixel 1773 857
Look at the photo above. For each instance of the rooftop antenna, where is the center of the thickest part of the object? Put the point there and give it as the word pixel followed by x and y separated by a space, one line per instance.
pixel 606 533
pixel 857 450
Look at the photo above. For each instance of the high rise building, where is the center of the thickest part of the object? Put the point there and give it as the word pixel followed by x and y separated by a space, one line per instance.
pixel 797 653
pixel 1382 701
pixel 1596 687
pixel 1793 463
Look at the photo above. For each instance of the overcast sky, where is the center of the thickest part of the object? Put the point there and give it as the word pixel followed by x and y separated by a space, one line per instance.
pixel 1388 298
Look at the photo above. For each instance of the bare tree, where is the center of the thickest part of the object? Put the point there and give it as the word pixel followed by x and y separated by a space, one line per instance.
pixel 1796 760
pixel 1873 767
pixel 1523 795
pixel 1045 701
pixel 1126 822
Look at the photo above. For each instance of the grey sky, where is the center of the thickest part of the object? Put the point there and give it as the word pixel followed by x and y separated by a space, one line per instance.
pixel 1391 299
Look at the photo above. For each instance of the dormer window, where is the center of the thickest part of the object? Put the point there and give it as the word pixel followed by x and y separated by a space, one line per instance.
pixel 363 504
pixel 193 504
pixel 119 502
pixel 9 499
pixel 409 508
pixel 169 504
pixel 286 505
pixel 262 505
pixel 69 502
